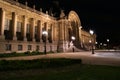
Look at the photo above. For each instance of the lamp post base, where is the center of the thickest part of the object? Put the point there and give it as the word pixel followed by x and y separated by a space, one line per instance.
pixel 45 49
pixel 92 51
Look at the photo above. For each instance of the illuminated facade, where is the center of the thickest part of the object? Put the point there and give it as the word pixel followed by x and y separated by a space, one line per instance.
pixel 21 30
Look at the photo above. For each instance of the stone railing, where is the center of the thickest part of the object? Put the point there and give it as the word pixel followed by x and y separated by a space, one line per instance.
pixel 12 2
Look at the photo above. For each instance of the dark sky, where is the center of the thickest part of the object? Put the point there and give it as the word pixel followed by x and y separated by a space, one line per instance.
pixel 102 16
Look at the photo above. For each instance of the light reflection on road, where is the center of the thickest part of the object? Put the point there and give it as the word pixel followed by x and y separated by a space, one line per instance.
pixel 112 54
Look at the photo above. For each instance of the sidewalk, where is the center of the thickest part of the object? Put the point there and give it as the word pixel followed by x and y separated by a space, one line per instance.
pixel 86 57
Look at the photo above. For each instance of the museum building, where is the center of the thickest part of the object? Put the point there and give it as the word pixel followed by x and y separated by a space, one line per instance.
pixel 26 29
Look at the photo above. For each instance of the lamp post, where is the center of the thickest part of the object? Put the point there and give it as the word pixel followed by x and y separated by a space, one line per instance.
pixel 92 32
pixel 73 38
pixel 96 45
pixel 45 33
pixel 108 43
pixel 90 43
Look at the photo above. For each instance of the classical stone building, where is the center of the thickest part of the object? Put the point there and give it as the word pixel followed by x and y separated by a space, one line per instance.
pixel 21 29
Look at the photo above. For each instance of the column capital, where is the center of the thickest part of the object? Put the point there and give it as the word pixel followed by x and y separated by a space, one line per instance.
pixel 2 9
pixel 14 13
pixel 32 29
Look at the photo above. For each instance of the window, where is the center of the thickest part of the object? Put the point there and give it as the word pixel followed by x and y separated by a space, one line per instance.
pixel 8 47
pixel 7 24
pixel 19 26
pixel 28 28
pixel 29 47
pixel 19 47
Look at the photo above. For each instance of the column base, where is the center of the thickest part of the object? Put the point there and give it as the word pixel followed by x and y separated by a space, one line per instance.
pixel 14 38
pixel 33 40
pixel 41 41
pixel 2 47
pixel 25 39
pixel 53 42
pixel 61 46
pixel 44 42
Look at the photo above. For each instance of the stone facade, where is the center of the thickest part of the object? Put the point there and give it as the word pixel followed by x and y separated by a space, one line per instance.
pixel 21 29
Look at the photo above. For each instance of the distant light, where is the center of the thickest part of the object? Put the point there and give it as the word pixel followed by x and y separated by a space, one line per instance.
pixel 104 44
pixel 91 32
pixel 100 43
pixel 96 42
pixel 73 38
pixel 45 33
pixel 80 27
pixel 90 41
pixel 108 40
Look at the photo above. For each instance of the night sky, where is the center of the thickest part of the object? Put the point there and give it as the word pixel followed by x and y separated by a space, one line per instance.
pixel 102 16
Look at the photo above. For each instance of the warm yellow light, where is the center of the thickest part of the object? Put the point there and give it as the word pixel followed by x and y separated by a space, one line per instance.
pixel 91 32
pixel 108 40
pixel 73 38
pixel 45 33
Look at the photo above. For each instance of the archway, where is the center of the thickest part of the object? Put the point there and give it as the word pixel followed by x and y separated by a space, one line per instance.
pixel 74 27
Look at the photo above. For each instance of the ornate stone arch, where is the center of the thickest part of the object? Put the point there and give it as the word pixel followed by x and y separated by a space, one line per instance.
pixel 75 24
pixel 74 17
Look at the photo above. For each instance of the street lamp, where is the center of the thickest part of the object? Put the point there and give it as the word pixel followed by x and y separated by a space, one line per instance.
pixel 96 45
pixel 108 43
pixel 92 32
pixel 73 38
pixel 45 33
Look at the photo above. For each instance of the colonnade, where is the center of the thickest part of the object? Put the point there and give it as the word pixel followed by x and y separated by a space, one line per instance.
pixel 40 25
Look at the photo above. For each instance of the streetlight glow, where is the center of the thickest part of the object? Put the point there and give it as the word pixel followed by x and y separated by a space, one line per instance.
pixel 108 40
pixel 89 41
pixel 96 42
pixel 108 43
pixel 91 32
pixel 73 38
pixel 45 33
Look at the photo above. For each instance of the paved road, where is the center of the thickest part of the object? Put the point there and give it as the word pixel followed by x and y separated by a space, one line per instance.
pixel 87 58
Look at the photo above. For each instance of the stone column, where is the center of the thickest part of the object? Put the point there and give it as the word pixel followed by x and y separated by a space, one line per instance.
pixel 24 28
pixel 14 25
pixel 61 30
pixel 61 42
pixel 67 26
pixel 65 35
pixel 2 23
pixel 52 33
pixel 38 29
pixel 80 35
pixel 56 32
pixel 47 31
pixel 54 41
pixel 32 29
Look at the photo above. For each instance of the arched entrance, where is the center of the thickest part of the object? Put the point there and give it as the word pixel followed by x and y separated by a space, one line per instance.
pixel 74 28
